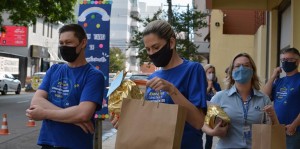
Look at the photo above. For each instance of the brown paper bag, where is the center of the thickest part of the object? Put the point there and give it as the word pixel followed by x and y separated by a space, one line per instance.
pixel 150 125
pixel 266 136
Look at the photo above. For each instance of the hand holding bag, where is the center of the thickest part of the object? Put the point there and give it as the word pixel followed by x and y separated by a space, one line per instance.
pixel 268 136
pixel 149 125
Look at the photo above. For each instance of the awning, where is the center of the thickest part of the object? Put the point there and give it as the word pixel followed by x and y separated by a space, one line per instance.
pixel 246 4
pixel 54 57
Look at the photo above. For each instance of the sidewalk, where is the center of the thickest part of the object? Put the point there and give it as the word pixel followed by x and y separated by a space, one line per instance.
pixel 109 143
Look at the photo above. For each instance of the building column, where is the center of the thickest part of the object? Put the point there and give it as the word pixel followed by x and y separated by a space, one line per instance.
pixel 295 24
pixel 273 35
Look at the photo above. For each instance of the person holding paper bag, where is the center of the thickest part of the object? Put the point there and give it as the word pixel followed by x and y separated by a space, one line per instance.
pixel 243 103
pixel 285 92
pixel 179 81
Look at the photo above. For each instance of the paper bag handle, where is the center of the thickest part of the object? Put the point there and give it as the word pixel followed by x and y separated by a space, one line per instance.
pixel 265 119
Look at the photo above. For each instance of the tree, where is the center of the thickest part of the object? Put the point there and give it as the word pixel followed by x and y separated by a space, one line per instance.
pixel 25 12
pixel 116 60
pixel 183 23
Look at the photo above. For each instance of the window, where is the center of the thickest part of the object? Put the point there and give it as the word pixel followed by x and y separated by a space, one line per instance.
pixel 34 28
pixel 44 28
pixel 51 31
pixel 48 27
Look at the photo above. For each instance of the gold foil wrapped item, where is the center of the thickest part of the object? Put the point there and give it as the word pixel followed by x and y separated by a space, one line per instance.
pixel 127 89
pixel 215 114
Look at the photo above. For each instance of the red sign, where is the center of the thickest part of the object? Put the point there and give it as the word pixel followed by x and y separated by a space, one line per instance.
pixel 14 36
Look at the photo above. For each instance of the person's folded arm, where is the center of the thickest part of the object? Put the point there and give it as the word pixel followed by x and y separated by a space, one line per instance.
pixel 40 98
pixel 75 114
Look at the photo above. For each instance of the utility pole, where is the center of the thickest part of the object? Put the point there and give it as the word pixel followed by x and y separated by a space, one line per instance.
pixel 188 29
pixel 170 13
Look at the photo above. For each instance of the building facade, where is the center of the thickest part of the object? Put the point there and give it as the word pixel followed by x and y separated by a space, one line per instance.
pixel 199 37
pixel 280 31
pixel 39 51
pixel 122 28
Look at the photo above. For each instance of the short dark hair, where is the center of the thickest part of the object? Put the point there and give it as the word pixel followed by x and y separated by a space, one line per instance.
pixel 77 29
pixel 290 50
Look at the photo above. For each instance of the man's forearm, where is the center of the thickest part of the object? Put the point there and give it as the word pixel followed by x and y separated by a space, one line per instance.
pixel 296 122
pixel 44 103
pixel 268 87
pixel 40 98
pixel 74 114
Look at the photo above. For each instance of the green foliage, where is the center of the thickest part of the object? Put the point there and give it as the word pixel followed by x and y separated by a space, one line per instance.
pixel 116 60
pixel 25 12
pixel 184 23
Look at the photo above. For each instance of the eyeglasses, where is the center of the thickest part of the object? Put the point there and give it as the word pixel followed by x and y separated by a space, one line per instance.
pixel 288 59
pixel 244 65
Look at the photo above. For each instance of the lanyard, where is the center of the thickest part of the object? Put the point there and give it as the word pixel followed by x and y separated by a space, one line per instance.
pixel 245 106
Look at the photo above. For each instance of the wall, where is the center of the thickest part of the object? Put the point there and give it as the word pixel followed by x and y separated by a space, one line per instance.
pixel 259 56
pixel 225 47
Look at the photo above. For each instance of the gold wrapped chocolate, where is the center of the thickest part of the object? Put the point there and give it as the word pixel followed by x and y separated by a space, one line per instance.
pixel 215 114
pixel 127 89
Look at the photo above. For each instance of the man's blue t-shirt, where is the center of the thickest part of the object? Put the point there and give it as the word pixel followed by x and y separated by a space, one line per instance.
pixel 67 87
pixel 190 79
pixel 286 96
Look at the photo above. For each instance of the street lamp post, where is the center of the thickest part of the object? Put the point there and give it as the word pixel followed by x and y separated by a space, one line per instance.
pixel 170 13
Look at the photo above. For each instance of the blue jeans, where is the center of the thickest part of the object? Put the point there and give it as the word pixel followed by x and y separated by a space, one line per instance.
pixel 293 142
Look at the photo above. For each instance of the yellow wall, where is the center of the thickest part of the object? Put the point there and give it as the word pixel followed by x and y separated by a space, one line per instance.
pixel 224 47
pixel 273 42
pixel 259 57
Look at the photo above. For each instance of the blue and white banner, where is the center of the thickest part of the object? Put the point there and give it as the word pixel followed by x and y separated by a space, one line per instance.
pixel 94 17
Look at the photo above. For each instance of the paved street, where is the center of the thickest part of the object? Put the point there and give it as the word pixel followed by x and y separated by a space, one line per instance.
pixel 21 136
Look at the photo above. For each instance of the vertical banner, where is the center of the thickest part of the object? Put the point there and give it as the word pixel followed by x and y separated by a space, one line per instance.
pixel 94 17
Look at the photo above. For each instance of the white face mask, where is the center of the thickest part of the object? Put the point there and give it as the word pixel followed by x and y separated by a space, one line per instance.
pixel 211 76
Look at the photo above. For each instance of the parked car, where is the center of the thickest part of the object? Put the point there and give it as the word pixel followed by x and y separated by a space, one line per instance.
pixel 8 83
pixel 140 76
pixel 140 80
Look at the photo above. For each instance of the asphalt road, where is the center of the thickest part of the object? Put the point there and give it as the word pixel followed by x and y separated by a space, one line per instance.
pixel 21 136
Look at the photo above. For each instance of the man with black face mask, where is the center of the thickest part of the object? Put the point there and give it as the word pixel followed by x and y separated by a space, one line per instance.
pixel 285 92
pixel 68 96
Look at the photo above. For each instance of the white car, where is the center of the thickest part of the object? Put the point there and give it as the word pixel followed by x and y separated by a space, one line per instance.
pixel 8 83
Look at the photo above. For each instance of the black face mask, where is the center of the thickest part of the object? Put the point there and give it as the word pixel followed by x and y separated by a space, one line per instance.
pixel 289 66
pixel 162 57
pixel 68 53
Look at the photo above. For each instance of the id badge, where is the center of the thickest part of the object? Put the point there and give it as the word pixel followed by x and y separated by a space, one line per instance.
pixel 247 131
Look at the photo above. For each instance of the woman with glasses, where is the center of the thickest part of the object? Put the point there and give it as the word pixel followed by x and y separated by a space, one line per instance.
pixel 243 103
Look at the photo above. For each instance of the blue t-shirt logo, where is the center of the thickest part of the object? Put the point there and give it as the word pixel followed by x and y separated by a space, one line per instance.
pixel 60 91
